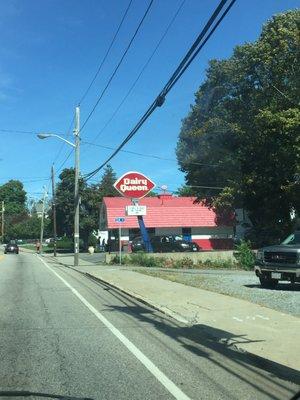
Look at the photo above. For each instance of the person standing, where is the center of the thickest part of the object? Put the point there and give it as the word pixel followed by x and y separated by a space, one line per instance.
pixel 38 246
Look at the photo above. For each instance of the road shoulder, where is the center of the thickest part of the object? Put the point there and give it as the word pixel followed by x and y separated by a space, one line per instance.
pixel 237 323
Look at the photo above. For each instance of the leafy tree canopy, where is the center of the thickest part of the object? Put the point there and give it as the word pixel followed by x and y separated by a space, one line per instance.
pixel 14 197
pixel 244 129
pixel 90 199
pixel 29 228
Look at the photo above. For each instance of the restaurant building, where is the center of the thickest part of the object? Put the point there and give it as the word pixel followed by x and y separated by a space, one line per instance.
pixel 166 215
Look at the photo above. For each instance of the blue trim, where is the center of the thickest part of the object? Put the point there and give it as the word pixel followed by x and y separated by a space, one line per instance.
pixel 145 236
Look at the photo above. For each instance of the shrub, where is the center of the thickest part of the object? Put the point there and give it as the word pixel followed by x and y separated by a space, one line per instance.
pixel 245 255
pixel 139 258
pixel 184 262
pixel 92 240
pixel 65 244
pixel 146 260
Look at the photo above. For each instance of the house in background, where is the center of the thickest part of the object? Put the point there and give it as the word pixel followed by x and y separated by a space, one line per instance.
pixel 167 215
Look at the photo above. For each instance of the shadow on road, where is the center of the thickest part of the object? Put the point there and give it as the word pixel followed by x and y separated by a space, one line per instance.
pixel 214 344
pixel 269 378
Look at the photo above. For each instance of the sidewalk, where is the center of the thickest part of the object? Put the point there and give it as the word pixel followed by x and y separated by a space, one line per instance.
pixel 237 323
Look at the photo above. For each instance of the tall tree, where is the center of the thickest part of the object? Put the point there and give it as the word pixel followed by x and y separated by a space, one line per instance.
pixel 90 200
pixel 14 197
pixel 105 187
pixel 244 126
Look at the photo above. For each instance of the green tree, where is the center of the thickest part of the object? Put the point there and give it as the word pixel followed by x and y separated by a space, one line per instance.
pixel 105 186
pixel 29 228
pixel 90 200
pixel 184 191
pixel 244 129
pixel 14 197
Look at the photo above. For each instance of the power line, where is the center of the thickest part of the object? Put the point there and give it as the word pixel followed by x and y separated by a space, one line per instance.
pixel 106 54
pixel 201 46
pixel 159 101
pixel 90 85
pixel 118 65
pixel 149 155
pixel 3 131
pixel 30 180
pixel 63 144
pixel 64 162
pixel 142 70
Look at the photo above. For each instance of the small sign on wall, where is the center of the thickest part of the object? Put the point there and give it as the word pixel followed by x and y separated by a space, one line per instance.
pixel 136 210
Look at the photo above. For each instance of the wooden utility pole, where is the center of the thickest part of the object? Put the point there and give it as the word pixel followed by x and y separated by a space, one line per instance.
pixel 54 212
pixel 76 194
pixel 2 222
pixel 42 221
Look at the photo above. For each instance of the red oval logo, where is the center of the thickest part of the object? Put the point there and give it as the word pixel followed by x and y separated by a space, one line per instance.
pixel 134 185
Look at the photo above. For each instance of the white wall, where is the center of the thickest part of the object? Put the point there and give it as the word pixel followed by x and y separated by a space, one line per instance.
pixel 218 232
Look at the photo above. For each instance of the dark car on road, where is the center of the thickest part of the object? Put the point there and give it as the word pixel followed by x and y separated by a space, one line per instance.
pixel 165 244
pixel 279 263
pixel 11 247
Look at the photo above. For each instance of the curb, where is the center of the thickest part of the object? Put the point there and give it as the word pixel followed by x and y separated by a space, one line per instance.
pixel 285 372
pixel 163 310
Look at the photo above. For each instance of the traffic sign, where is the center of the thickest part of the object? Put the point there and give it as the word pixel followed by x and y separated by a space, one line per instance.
pixel 120 219
pixel 134 185
pixel 136 210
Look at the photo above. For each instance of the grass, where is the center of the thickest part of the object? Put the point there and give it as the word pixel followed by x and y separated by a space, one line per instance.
pixel 28 246
pixel 186 279
pixel 146 260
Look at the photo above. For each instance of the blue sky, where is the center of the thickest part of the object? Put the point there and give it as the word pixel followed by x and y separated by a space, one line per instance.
pixel 50 50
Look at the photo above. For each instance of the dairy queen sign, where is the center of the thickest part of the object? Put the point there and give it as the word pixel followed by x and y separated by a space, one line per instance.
pixel 134 185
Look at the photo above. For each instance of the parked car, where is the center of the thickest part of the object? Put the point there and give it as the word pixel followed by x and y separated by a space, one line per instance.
pixel 165 244
pixel 11 247
pixel 279 263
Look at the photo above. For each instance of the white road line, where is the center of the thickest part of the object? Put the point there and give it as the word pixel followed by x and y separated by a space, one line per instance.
pixel 159 375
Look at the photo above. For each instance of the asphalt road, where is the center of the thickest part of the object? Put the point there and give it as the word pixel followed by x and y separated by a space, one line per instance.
pixel 63 333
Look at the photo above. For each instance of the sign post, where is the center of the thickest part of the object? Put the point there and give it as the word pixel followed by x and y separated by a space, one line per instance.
pixel 120 220
pixel 136 186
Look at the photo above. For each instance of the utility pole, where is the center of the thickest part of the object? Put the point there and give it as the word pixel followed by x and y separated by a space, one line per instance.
pixel 42 221
pixel 76 194
pixel 2 222
pixel 54 211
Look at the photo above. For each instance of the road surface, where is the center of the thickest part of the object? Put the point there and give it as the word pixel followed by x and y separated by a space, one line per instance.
pixel 65 334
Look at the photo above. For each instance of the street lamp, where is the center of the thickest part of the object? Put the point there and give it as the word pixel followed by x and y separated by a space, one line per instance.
pixel 76 192
pixel 47 135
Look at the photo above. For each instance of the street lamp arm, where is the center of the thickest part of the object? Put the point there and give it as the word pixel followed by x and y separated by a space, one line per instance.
pixel 65 140
pixel 46 135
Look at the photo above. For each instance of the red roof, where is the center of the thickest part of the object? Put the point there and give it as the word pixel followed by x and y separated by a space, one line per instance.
pixel 162 211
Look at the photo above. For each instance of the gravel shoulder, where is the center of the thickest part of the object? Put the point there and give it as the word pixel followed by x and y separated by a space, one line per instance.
pixel 240 284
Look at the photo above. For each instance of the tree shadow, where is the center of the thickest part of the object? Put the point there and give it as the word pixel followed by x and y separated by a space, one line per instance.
pixel 220 347
pixel 286 287
pixel 215 344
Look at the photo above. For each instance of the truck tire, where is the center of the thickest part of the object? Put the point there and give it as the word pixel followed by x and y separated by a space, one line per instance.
pixel 268 283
